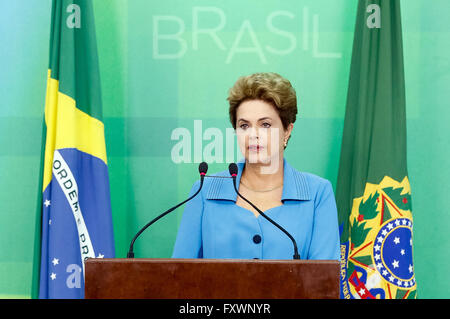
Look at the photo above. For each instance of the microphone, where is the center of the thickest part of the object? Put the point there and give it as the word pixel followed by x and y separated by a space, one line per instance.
pixel 202 168
pixel 233 169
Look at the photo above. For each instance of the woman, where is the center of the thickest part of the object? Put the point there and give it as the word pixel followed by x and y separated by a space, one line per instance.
pixel 219 224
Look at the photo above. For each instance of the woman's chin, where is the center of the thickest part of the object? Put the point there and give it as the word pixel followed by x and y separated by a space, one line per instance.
pixel 267 164
pixel 258 158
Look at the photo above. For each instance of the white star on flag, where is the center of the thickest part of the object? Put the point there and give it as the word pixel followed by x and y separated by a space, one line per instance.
pixel 397 240
pixel 410 268
pixel 402 252
pixel 390 226
pixel 55 261
pixel 100 256
pixel 395 264
pixel 53 276
pixel 362 292
pixel 47 203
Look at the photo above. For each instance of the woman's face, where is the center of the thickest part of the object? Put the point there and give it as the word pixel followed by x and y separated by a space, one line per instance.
pixel 260 132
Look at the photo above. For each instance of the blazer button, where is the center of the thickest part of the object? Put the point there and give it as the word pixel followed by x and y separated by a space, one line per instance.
pixel 256 239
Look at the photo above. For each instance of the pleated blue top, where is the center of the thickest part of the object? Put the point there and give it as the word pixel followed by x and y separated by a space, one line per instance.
pixel 213 226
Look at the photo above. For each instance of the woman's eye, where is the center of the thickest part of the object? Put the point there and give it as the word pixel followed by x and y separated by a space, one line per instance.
pixel 266 125
pixel 243 126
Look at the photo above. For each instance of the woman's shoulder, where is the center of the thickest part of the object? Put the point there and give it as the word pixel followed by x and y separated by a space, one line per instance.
pixel 217 185
pixel 315 183
pixel 314 179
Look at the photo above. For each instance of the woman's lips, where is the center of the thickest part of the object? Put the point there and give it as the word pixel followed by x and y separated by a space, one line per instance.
pixel 255 148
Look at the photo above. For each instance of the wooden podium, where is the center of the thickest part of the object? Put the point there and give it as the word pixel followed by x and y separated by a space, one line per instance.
pixel 211 279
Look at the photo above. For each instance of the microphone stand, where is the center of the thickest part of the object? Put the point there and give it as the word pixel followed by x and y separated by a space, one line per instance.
pixel 130 253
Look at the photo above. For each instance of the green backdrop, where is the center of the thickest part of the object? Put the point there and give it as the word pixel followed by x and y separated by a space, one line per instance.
pixel 165 64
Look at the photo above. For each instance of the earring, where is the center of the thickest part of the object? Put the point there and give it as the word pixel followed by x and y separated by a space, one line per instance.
pixel 285 143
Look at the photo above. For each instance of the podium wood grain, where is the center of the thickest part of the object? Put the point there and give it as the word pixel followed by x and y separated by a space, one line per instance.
pixel 210 279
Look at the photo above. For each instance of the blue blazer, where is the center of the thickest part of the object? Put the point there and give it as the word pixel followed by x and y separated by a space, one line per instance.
pixel 213 226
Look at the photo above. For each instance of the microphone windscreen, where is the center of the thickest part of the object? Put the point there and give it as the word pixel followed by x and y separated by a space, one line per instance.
pixel 233 169
pixel 203 168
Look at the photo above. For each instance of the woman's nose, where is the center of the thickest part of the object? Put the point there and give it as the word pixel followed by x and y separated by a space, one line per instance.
pixel 253 133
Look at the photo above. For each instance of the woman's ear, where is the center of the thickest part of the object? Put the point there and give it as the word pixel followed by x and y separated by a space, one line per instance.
pixel 288 131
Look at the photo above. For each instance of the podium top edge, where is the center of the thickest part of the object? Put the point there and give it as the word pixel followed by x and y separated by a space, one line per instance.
pixel 207 260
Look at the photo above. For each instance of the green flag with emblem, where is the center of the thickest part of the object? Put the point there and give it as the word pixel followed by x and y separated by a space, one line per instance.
pixel 373 192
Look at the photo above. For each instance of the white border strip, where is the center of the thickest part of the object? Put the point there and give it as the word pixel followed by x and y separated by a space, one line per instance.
pixel 69 186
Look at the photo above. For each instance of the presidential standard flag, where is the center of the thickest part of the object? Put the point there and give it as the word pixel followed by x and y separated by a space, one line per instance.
pixel 373 193
pixel 75 207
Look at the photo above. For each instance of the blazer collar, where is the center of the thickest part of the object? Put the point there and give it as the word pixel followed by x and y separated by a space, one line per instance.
pixel 295 185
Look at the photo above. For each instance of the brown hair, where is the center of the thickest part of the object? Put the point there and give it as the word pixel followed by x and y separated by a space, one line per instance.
pixel 269 87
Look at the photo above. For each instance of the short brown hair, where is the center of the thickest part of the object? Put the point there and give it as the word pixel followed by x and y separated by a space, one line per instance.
pixel 269 87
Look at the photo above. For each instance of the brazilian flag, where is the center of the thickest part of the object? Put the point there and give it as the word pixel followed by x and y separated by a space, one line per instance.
pixel 74 207
pixel 373 193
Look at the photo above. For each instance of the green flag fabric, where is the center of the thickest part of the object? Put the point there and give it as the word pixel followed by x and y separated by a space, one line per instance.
pixel 75 220
pixel 373 193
